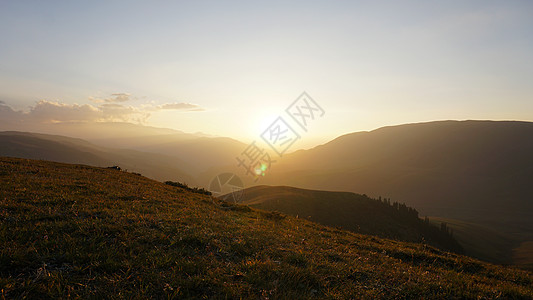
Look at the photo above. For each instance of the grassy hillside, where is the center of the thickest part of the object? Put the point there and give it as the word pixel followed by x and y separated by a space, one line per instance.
pixel 479 241
pixel 78 231
pixel 354 212
pixel 490 244
pixel 523 255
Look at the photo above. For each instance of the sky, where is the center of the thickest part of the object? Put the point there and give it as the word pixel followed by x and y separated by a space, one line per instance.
pixel 230 68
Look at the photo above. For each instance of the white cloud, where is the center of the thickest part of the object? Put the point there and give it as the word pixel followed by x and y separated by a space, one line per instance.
pixel 46 111
pixel 105 110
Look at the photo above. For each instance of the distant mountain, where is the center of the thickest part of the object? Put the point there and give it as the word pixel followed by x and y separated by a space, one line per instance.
pixel 201 152
pixel 354 212
pixel 71 150
pixel 204 154
pixel 480 172
pixel 477 170
pixel 96 130
pixel 198 152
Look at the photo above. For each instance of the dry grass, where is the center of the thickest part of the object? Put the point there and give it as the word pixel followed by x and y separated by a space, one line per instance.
pixel 70 231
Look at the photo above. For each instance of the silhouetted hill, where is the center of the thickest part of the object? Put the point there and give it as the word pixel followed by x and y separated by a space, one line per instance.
pixel 354 212
pixel 27 145
pixel 72 150
pixel 85 232
pixel 201 152
pixel 108 131
pixel 477 171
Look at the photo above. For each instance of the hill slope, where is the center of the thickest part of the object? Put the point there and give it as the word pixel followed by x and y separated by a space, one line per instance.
pixel 354 212
pixel 78 231
pixel 480 242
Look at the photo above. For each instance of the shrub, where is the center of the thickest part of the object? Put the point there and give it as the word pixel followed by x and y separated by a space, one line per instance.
pixel 186 187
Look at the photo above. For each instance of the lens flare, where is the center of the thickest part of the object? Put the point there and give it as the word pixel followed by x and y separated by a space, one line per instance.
pixel 260 171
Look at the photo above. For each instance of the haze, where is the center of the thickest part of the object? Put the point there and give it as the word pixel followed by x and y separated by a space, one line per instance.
pixel 266 149
pixel 230 68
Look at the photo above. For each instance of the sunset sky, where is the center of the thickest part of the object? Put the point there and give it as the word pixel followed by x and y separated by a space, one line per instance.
pixel 230 68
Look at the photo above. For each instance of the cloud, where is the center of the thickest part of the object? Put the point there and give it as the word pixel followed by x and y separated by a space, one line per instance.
pixel 118 97
pixel 180 106
pixel 54 112
pixel 124 97
pixel 105 110
pixel 50 112
pixel 7 114
pixel 115 98
pixel 118 112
